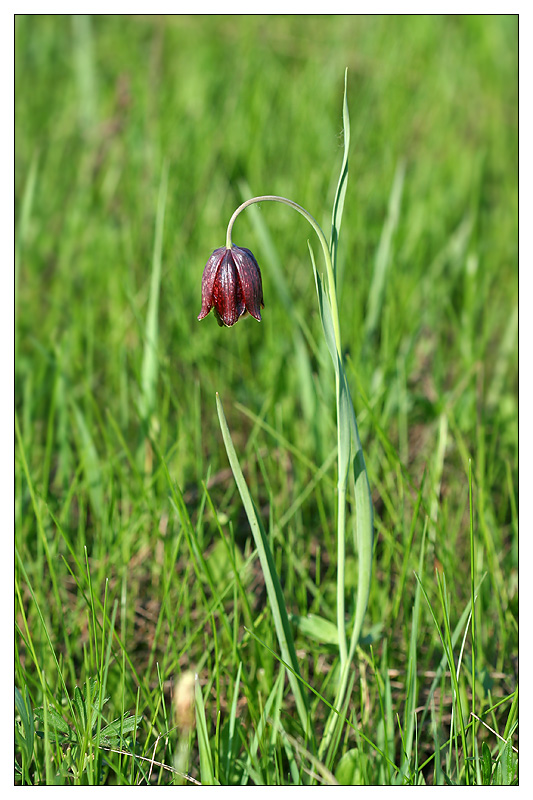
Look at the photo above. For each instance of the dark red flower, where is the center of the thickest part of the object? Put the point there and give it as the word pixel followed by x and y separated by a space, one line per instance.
pixel 231 284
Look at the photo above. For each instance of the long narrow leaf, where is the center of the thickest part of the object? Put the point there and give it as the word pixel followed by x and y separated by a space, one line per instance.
pixel 352 449
pixel 260 729
pixel 150 360
pixel 338 204
pixel 383 255
pixel 232 719
pixel 207 773
pixel 273 585
pixel 412 680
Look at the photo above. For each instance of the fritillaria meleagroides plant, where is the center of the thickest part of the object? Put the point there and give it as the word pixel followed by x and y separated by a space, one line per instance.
pixel 232 287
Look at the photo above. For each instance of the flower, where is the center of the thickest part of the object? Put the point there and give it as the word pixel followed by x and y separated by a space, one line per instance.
pixel 231 284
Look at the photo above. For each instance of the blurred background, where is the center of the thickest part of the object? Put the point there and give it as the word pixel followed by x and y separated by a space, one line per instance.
pixel 136 138
pixel 240 105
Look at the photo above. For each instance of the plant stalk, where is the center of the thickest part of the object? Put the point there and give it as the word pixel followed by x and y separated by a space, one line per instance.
pixel 342 478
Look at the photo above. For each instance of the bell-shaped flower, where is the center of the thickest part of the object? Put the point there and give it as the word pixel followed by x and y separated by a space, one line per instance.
pixel 231 284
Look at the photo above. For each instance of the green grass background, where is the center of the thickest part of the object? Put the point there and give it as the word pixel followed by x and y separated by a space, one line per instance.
pixel 136 138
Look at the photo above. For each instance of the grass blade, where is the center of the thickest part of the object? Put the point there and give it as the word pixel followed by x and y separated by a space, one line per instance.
pixel 259 733
pixel 150 360
pixel 381 264
pixel 207 774
pixel 232 719
pixel 447 644
pixel 273 585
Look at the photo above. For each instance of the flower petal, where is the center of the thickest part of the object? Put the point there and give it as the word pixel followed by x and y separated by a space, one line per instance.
pixel 208 280
pixel 227 294
pixel 249 279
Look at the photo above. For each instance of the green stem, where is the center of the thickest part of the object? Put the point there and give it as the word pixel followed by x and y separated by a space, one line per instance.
pixel 323 241
pixel 341 548
pixel 342 475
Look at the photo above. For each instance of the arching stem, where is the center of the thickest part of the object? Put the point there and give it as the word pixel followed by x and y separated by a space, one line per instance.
pixel 319 232
pixel 342 474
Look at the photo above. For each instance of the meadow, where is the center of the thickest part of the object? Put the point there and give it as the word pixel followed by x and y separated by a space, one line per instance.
pixel 146 649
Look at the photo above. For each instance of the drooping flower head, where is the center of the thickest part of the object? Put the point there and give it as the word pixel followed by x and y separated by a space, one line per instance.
pixel 231 284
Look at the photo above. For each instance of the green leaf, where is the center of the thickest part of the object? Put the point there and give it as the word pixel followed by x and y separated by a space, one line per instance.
pixel 512 716
pixel 383 256
pixel 273 585
pixel 92 703
pixel 207 774
pixel 117 729
pixel 412 669
pixel 507 763
pixel 79 703
pixel 486 764
pixel 149 367
pixel 351 451
pixel 338 203
pixel 23 226
pixel 449 781
pixel 324 309
pixel 260 727
pixel 344 401
pixel 373 635
pixel 57 723
pixel 221 566
pixel 232 721
pixel 317 628
pixel 348 772
pixel 91 463
pixel 23 706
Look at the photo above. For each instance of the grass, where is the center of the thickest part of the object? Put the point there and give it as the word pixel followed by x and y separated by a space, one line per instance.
pixel 136 138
